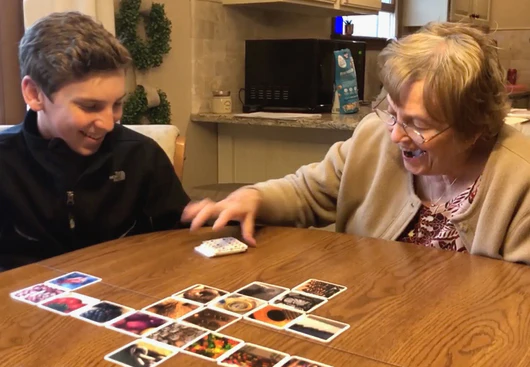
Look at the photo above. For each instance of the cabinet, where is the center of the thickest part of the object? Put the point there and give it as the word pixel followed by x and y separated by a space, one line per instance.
pixel 324 8
pixel 417 13
pixel 461 10
pixel 367 4
pixel 482 10
pixel 473 11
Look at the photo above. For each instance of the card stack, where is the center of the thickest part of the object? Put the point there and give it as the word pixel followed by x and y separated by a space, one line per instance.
pixel 221 247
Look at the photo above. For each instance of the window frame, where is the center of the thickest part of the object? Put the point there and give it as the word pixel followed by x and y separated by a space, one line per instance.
pixel 387 8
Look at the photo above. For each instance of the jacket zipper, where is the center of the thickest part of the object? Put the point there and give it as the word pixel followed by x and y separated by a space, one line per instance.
pixel 130 229
pixel 70 201
pixel 21 234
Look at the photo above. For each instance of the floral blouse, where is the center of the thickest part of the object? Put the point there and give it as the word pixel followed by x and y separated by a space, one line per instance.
pixel 432 227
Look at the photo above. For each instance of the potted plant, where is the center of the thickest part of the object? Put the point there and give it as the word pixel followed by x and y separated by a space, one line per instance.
pixel 348 27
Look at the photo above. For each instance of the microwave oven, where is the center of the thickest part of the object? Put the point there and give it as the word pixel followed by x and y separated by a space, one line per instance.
pixel 296 75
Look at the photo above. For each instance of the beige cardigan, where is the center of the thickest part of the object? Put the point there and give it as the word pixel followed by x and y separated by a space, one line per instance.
pixel 363 186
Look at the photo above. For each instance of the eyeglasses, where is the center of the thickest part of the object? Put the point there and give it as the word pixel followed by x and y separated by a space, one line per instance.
pixel 415 135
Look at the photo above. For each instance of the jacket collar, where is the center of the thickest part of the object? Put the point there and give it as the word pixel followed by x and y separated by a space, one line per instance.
pixel 56 157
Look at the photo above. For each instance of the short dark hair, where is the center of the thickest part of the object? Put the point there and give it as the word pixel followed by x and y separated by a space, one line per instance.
pixel 64 47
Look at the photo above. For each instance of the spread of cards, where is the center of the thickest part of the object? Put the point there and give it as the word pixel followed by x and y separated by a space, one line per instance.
pixel 190 321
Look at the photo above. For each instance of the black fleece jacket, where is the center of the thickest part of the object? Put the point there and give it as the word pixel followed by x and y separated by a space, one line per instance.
pixel 53 200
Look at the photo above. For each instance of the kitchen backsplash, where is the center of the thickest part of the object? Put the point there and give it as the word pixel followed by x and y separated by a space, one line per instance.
pixel 514 52
pixel 218 45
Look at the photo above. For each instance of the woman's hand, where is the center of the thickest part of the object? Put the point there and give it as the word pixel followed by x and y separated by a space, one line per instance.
pixel 241 205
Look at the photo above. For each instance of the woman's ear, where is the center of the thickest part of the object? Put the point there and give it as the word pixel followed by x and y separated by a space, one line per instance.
pixel 33 95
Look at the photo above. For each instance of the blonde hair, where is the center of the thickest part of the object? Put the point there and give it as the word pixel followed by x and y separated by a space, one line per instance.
pixel 464 80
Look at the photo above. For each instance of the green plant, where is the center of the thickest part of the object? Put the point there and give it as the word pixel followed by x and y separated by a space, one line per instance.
pixel 150 52
pixel 348 22
pixel 160 114
pixel 135 107
pixel 146 54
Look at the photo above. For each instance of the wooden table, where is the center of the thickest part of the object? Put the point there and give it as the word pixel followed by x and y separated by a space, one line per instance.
pixel 407 305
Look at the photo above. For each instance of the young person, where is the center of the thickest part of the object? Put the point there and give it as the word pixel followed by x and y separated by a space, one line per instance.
pixel 70 175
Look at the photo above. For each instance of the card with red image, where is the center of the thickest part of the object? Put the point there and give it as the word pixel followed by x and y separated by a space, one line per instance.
pixel 64 304
pixel 138 324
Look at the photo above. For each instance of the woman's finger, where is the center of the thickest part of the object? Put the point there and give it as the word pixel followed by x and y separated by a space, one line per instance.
pixel 202 217
pixel 193 208
pixel 224 217
pixel 247 229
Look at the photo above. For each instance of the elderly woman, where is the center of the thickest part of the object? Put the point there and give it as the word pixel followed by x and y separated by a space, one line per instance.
pixel 437 166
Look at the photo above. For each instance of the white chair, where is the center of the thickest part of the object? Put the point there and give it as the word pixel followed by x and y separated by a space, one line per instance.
pixel 167 136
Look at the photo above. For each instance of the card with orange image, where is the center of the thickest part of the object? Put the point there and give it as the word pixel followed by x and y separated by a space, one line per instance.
pixel 173 308
pixel 273 316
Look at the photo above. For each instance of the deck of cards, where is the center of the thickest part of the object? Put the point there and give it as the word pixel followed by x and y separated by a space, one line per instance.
pixel 190 320
pixel 221 247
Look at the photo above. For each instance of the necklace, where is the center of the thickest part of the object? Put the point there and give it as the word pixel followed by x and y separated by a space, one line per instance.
pixel 436 204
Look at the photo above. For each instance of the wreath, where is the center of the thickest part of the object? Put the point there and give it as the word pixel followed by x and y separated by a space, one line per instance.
pixel 136 107
pixel 145 53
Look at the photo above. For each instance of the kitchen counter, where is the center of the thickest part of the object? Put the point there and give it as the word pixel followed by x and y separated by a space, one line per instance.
pixel 254 149
pixel 521 94
pixel 520 99
pixel 327 121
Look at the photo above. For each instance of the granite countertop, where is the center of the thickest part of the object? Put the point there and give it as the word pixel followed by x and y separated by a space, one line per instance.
pixel 327 121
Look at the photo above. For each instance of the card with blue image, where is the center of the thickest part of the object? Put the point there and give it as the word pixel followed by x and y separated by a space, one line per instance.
pixel 74 280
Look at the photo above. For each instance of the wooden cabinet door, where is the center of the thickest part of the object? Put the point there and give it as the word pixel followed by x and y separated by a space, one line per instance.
pixel 417 13
pixel 481 10
pixel 366 4
pixel 321 1
pixel 461 10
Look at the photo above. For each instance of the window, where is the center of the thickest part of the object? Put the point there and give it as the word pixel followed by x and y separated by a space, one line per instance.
pixel 382 25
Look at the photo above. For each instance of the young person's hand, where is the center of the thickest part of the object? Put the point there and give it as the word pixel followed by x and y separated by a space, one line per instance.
pixel 241 205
